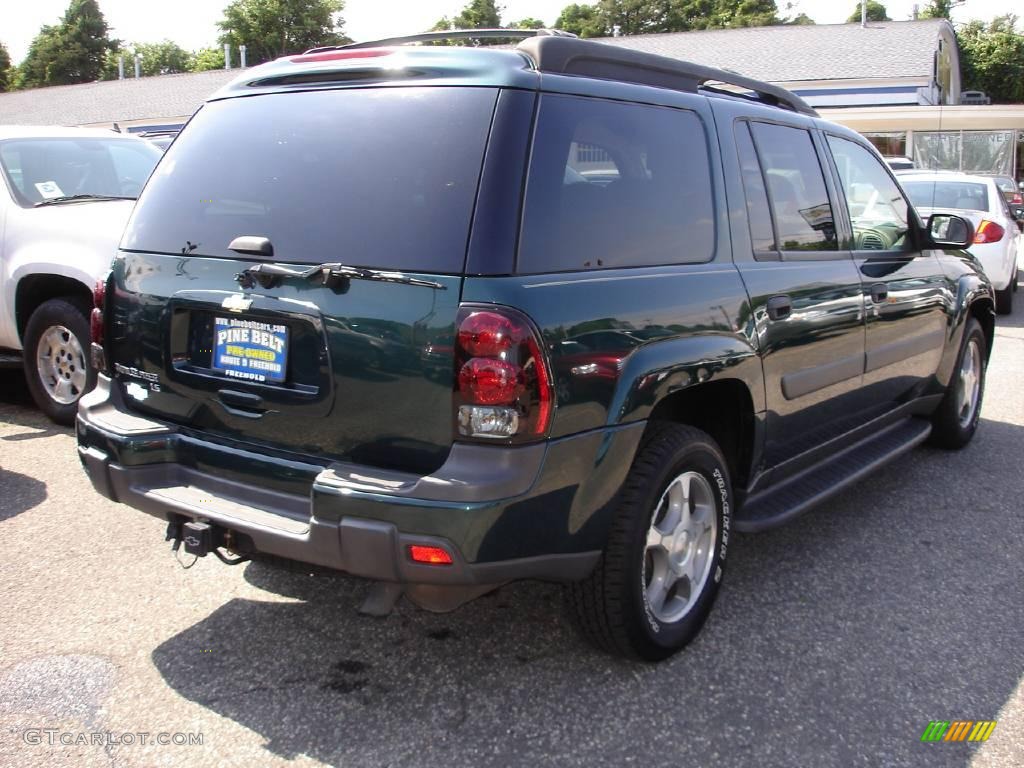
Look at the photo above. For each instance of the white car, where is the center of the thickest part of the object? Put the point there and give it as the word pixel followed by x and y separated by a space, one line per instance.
pixel 996 231
pixel 64 201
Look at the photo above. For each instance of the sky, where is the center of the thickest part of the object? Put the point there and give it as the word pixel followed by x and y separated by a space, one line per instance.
pixel 192 23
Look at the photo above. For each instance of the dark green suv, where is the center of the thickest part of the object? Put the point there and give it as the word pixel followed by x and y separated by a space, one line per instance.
pixel 447 317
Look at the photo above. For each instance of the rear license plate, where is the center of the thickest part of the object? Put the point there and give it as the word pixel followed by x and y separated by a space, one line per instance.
pixel 249 350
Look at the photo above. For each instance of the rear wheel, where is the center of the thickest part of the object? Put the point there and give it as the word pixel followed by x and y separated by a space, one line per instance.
pixel 56 363
pixel 956 419
pixel 660 571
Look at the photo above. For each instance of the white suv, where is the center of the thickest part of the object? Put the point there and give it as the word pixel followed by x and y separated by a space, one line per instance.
pixel 996 228
pixel 64 201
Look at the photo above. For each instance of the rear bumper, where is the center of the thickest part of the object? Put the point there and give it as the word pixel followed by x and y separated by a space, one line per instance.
pixel 503 513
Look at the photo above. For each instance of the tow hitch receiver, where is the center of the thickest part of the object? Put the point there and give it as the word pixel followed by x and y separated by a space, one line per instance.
pixel 198 538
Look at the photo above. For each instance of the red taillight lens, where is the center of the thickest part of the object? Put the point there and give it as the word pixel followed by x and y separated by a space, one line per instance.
pixel 1017 199
pixel 489 382
pixel 503 387
pixel 429 555
pixel 988 232
pixel 487 334
pixel 99 297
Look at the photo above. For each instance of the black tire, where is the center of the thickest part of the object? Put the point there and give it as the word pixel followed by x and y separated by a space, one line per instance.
pixel 72 314
pixel 1004 299
pixel 951 428
pixel 611 606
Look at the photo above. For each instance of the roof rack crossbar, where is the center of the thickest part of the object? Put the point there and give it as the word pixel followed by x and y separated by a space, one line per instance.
pixel 592 59
pixel 447 34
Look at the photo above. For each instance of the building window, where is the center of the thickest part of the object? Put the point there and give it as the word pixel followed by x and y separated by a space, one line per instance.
pixel 889 143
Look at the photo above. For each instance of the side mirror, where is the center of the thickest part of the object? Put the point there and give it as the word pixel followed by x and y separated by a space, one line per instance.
pixel 949 231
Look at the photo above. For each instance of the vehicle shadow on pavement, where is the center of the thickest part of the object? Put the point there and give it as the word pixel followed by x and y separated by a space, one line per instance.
pixel 837 638
pixel 19 493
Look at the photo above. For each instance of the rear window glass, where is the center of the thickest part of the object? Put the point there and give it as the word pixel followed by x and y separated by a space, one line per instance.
pixel 616 185
pixel 948 194
pixel 380 177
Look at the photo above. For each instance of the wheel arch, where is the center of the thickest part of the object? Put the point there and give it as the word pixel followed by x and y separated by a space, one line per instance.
pixel 34 289
pixel 724 409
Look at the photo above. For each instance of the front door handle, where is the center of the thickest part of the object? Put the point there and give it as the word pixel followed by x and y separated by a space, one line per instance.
pixel 779 307
pixel 879 292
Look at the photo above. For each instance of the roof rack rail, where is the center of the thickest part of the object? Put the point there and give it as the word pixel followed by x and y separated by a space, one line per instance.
pixel 559 55
pixel 447 34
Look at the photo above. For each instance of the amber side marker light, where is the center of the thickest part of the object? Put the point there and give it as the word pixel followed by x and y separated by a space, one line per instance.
pixel 429 555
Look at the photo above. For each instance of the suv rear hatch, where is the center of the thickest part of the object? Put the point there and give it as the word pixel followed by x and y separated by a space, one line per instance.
pixel 324 330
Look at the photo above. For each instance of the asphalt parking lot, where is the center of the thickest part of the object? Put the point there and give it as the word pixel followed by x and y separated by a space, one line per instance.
pixel 834 642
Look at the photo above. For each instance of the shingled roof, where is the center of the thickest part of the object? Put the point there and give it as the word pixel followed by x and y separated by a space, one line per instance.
pixel 111 101
pixel 790 53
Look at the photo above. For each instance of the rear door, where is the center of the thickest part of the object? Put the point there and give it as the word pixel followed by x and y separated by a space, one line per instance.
pixel 267 343
pixel 805 292
pixel 905 292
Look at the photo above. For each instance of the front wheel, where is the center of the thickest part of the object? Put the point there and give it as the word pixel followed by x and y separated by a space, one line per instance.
pixel 659 574
pixel 56 365
pixel 956 419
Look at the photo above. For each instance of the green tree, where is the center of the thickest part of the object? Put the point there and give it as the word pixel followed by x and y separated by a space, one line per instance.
pixel 207 59
pixel 938 9
pixel 582 20
pixel 5 68
pixel 992 58
pixel 73 51
pixel 526 24
pixel 876 12
pixel 801 19
pixel 273 28
pixel 163 58
pixel 479 14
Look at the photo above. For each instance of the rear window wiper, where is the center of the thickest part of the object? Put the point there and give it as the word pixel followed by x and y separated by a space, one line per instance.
pixel 334 276
pixel 74 198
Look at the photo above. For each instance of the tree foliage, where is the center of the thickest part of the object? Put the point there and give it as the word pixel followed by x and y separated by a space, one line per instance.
pixel 5 68
pixel 876 12
pixel 164 58
pixel 938 9
pixel 527 23
pixel 638 17
pixel 582 20
pixel 273 28
pixel 207 59
pixel 73 51
pixel 992 58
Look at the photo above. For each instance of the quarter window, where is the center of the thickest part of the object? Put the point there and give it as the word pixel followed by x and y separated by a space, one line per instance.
pixel 796 187
pixel 878 210
pixel 761 235
pixel 615 185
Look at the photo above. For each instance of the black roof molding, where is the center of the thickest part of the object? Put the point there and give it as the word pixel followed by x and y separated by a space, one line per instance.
pixel 448 34
pixel 569 56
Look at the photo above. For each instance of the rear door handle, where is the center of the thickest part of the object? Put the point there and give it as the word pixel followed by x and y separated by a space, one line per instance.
pixel 879 292
pixel 779 307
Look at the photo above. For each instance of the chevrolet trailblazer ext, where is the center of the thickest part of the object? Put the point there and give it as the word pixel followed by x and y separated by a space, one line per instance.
pixel 448 317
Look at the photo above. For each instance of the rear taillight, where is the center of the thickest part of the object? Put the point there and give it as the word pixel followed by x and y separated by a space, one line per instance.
pixel 988 232
pixel 1017 199
pixel 99 296
pixel 502 383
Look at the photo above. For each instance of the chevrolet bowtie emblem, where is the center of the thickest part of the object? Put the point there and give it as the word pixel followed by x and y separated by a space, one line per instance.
pixel 236 302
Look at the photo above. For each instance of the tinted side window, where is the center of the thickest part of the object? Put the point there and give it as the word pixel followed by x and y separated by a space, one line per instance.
pixel 761 235
pixel 878 210
pixel 616 185
pixel 799 200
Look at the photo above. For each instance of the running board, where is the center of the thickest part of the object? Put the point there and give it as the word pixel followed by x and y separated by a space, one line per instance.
pixel 780 504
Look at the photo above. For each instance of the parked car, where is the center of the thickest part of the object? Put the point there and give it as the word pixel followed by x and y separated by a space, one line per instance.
pixel 66 196
pixel 776 358
pixel 1014 197
pixel 900 163
pixel 980 199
